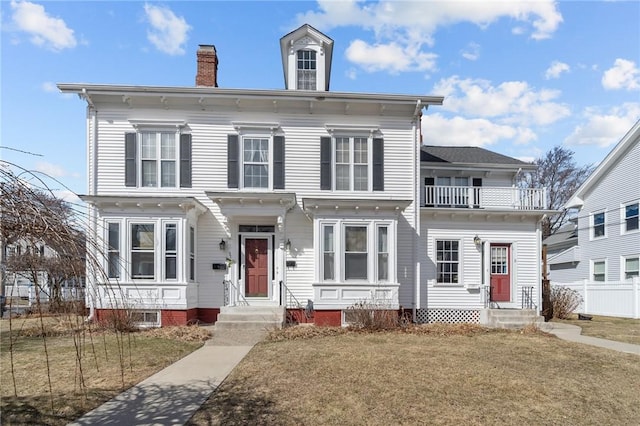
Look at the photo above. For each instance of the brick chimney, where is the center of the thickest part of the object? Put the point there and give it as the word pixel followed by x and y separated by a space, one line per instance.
pixel 207 66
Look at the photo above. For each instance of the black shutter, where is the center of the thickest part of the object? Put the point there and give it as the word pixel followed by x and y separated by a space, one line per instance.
pixel 325 163
pixel 278 162
pixel 233 152
pixel 130 160
pixel 185 160
pixel 378 164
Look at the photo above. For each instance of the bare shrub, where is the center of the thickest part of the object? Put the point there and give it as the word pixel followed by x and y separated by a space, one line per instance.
pixel 374 316
pixel 564 301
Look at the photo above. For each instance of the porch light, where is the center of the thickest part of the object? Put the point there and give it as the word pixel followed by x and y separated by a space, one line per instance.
pixel 287 245
pixel 477 241
pixel 223 245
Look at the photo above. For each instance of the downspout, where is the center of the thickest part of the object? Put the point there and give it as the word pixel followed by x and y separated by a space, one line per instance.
pixel 416 207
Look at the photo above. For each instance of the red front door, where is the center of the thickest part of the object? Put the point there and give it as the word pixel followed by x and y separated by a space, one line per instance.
pixel 500 272
pixel 256 261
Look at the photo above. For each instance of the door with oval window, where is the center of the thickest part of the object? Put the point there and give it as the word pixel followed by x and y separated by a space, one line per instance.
pixel 500 272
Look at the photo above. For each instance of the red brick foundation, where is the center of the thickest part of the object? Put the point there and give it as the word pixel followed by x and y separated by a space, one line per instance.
pixel 328 318
pixel 178 317
pixel 208 315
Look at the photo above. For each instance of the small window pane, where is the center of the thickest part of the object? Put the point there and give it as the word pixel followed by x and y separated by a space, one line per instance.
pixel 631 217
pixel 168 173
pixel 168 146
pixel 631 267
pixel 142 236
pixel 148 146
pixel 149 173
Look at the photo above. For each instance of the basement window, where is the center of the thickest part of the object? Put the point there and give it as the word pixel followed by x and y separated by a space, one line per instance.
pixel 145 318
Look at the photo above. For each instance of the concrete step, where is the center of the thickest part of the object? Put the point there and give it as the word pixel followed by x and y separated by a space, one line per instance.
pixel 248 325
pixel 511 318
pixel 253 309
pixel 238 317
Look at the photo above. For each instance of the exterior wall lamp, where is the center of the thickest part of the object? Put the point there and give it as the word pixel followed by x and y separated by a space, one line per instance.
pixel 287 245
pixel 223 245
pixel 477 241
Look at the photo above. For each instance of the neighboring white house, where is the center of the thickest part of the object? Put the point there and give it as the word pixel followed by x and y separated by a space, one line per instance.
pixel 207 197
pixel 605 264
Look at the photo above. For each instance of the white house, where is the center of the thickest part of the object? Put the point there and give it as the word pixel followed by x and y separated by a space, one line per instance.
pixel 207 197
pixel 605 264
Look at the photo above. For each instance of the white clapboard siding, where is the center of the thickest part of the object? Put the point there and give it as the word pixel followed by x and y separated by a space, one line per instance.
pixel 620 185
pixel 525 250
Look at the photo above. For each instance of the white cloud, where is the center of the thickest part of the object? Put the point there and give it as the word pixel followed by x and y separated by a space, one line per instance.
pixel 50 169
pixel 168 32
pixel 49 87
pixel 460 131
pixel 513 102
pixel 351 74
pixel 45 30
pixel 623 75
pixel 472 52
pixel 555 69
pixel 391 57
pixel 605 128
pixel 407 28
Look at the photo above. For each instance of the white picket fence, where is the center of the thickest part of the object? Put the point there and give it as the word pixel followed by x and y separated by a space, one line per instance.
pixel 29 293
pixel 609 298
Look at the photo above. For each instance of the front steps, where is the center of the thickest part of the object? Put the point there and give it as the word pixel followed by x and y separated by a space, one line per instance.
pixel 242 325
pixel 510 318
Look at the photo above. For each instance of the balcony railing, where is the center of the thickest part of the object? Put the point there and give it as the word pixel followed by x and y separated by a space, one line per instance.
pixel 484 197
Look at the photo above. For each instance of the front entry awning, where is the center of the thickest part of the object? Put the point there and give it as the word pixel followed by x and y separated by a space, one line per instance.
pixel 252 204
pixel 314 206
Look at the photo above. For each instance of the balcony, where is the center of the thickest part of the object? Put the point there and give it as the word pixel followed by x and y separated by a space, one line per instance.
pixel 485 197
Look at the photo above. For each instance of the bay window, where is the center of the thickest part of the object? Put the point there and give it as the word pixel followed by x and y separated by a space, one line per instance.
pixel 142 251
pixel 356 251
pixel 170 251
pixel 113 238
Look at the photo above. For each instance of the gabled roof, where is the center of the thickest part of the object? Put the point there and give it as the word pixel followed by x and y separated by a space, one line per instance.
pixel 468 155
pixel 297 34
pixel 565 236
pixel 626 143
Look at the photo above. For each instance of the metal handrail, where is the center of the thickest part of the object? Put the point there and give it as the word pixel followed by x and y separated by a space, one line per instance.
pixel 487 295
pixel 230 291
pixel 289 298
pixel 527 298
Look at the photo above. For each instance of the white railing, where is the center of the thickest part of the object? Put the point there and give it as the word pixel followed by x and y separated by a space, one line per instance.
pixel 485 197
pixel 610 298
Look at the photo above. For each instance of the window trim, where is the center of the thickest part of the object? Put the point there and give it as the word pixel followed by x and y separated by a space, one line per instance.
pixel 592 270
pixel 623 218
pixel 592 227
pixel 460 282
pixel 339 244
pixel 623 266
pixel 241 166
pixel 351 137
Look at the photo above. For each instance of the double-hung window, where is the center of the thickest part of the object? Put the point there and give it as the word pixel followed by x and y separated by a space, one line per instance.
pixel 306 70
pixel 142 251
pixel 447 261
pixel 356 251
pixel 598 225
pixel 255 162
pixel 631 215
pixel 352 163
pixel 631 267
pixel 192 253
pixel 113 257
pixel 170 251
pixel 158 159
pixel 599 270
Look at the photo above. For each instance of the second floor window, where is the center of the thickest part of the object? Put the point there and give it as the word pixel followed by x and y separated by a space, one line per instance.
pixel 631 217
pixel 306 70
pixel 158 159
pixel 256 162
pixel 352 164
pixel 598 225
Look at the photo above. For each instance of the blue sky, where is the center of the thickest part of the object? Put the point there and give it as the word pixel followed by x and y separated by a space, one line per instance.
pixel 518 77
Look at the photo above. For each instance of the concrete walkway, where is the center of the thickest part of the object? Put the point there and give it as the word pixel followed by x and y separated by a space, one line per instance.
pixel 573 333
pixel 173 395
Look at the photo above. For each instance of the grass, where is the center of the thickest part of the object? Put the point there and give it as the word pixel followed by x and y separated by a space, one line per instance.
pixel 102 354
pixel 447 376
pixel 612 328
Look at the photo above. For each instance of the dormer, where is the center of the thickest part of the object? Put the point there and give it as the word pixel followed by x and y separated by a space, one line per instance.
pixel 306 59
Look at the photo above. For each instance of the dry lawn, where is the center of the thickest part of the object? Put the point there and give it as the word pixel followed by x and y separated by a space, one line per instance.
pixel 102 353
pixel 466 376
pixel 612 328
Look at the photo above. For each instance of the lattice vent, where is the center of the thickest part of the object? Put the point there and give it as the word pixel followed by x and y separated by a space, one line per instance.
pixel 448 315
